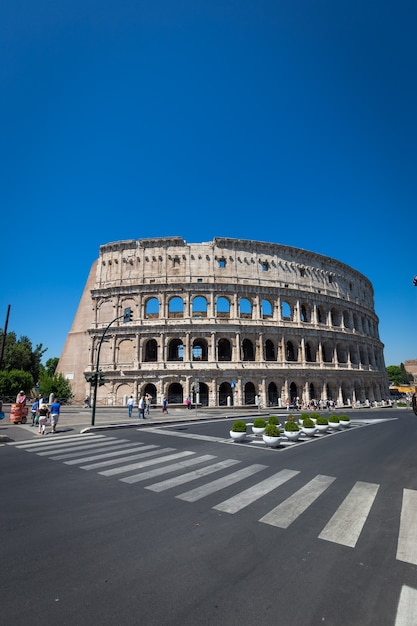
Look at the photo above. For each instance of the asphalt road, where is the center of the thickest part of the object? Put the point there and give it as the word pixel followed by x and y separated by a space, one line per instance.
pixel 173 524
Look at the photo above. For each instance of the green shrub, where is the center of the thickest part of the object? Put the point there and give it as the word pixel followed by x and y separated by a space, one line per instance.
pixel 308 423
pixel 271 430
pixel 259 422
pixel 344 418
pixel 273 419
pixel 322 421
pixel 291 426
pixel 303 416
pixel 334 419
pixel 315 415
pixel 239 426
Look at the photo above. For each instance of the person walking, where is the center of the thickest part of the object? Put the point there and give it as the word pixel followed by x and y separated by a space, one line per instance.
pixel 35 409
pixel 55 409
pixel 148 399
pixel 141 408
pixel 164 404
pixel 43 418
pixel 130 404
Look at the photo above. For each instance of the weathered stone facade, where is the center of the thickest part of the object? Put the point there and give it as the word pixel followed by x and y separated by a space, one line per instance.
pixel 242 319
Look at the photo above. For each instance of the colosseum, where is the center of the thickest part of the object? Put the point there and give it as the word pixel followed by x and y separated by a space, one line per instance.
pixel 227 322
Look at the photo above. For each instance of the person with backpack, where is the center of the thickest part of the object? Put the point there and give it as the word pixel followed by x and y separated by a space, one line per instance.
pixel 35 409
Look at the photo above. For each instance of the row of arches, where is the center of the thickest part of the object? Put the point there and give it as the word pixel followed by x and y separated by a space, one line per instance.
pixel 276 395
pixel 315 350
pixel 283 310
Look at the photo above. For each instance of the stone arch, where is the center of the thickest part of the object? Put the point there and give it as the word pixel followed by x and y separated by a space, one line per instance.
pixel 175 307
pixel 175 394
pixel 225 391
pixel 152 308
pixel 175 350
pixel 245 308
pixel 199 307
pixel 272 394
pixel 151 351
pixel 266 309
pixel 270 350
pixel 291 351
pixel 248 351
pixel 224 350
pixel 199 350
pixel 125 352
pixel 249 393
pixel 222 307
pixel 150 389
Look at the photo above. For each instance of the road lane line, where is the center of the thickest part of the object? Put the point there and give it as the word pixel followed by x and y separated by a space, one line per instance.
pixel 346 524
pixel 53 441
pixel 135 466
pixel 407 607
pixel 166 469
pixel 75 459
pixel 243 499
pixel 220 483
pixel 90 446
pixel 288 511
pixel 128 457
pixel 190 476
pixel 407 544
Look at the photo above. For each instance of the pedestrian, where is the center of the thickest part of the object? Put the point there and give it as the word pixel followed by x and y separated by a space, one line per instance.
pixel 87 402
pixel 54 410
pixel 35 409
pixel 148 399
pixel 43 418
pixel 21 398
pixel 130 404
pixel 164 404
pixel 188 402
pixel 141 408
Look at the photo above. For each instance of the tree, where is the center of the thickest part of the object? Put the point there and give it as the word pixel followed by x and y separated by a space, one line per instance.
pixel 56 384
pixel 51 365
pixel 13 381
pixel 19 355
pixel 398 375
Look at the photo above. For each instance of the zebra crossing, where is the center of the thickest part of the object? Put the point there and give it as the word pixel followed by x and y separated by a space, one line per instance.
pixel 167 468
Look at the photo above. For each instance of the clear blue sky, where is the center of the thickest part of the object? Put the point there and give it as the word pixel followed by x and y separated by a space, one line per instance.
pixel 288 121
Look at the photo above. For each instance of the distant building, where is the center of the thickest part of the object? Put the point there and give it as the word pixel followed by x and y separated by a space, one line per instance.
pixel 225 322
pixel 411 367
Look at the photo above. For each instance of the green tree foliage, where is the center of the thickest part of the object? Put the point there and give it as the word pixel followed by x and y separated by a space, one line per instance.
pixel 51 365
pixel 56 384
pixel 14 381
pixel 398 375
pixel 19 355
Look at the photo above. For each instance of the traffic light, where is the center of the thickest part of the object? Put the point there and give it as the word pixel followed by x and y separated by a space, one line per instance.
pixel 128 315
pixel 101 380
pixel 91 378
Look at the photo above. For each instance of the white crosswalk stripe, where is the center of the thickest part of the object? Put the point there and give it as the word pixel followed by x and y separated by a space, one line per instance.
pixel 190 476
pixel 133 462
pixel 287 512
pixel 220 483
pixel 346 524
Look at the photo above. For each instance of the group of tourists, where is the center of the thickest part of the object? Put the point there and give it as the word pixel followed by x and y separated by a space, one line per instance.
pixel 144 405
pixel 42 411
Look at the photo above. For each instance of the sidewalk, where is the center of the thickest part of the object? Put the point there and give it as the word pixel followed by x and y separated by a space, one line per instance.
pixel 78 420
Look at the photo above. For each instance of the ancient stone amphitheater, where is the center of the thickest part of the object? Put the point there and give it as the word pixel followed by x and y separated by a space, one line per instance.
pixel 229 321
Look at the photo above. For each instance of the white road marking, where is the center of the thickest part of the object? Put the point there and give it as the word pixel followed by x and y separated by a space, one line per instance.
pixel 135 466
pixel 407 544
pixel 220 483
pixel 288 511
pixel 346 524
pixel 129 457
pixel 407 607
pixel 190 476
pixel 244 498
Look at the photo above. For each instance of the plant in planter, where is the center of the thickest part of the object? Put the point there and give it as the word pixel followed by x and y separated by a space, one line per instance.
pixel 308 427
pixel 334 421
pixel 271 435
pixel 258 425
pixel 302 417
pixel 292 430
pixel 344 421
pixel 238 431
pixel 273 419
pixel 322 424
pixel 314 415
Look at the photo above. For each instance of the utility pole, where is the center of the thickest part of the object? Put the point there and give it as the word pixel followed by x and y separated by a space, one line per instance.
pixel 96 379
pixel 3 339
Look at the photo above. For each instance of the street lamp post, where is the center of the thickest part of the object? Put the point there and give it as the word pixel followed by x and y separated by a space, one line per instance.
pixel 97 378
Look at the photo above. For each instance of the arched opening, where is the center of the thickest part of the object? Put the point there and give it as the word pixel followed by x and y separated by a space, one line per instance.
pixel 291 351
pixel 249 393
pixel 203 394
pixel 224 350
pixel 151 351
pixel 293 393
pixel 305 314
pixel 200 350
pixel 175 350
pixel 266 309
pixel 225 392
pixel 152 308
pixel 272 394
pixel 269 350
pixel 248 353
pixel 223 307
pixel 175 394
pixel 199 307
pixel 150 389
pixel 175 307
pixel 245 308
pixel 286 312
